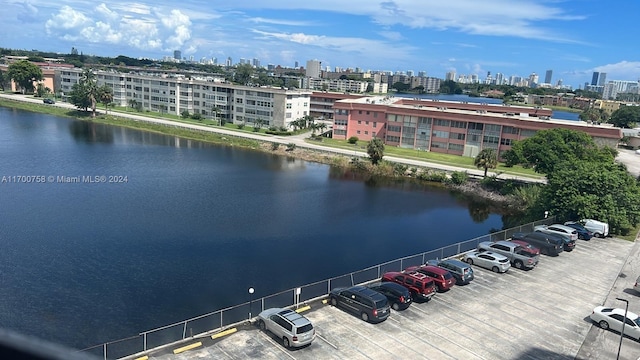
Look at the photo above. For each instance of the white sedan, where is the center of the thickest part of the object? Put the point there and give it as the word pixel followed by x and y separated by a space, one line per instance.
pixel 612 318
pixel 488 260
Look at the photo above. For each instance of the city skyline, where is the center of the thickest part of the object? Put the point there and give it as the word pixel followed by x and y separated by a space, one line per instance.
pixel 406 35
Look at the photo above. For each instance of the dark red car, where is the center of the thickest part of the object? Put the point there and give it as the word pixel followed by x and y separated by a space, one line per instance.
pixel 527 247
pixel 443 279
pixel 420 285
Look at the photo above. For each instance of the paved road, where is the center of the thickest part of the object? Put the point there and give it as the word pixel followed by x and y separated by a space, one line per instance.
pixel 298 140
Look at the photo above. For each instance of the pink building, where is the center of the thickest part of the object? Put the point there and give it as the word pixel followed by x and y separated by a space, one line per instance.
pixel 458 128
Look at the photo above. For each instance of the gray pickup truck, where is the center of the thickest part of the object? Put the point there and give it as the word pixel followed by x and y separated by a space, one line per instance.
pixel 519 257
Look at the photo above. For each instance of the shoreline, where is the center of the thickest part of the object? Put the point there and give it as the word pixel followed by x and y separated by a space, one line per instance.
pixel 254 141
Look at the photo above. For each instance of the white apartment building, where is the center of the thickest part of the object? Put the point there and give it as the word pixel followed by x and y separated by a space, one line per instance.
pixel 342 85
pixel 174 93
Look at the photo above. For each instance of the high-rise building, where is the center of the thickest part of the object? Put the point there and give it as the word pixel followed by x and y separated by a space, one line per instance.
pixel 229 62
pixel 296 65
pixel 533 80
pixel 422 73
pixel 547 76
pixel 256 63
pixel 602 79
pixel 499 79
pixel 409 72
pixel 313 68
pixel 177 54
pixel 451 75
pixel 594 78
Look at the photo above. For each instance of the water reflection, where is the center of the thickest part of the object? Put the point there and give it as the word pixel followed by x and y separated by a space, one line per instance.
pixel 90 132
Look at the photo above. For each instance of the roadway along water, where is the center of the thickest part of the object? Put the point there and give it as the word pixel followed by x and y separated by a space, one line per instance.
pixel 191 229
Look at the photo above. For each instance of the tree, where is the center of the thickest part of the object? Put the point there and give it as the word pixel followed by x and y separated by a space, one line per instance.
pixel 89 85
pixel 450 87
pixel 24 74
pixel 42 90
pixel 78 97
pixel 626 117
pixel 547 148
pixel 216 111
pixel 593 115
pixel 4 79
pixel 594 189
pixel 243 73
pixel 375 149
pixel 400 86
pixel 486 159
pixel 105 95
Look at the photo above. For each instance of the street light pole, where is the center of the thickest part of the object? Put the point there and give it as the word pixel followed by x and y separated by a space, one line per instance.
pixel 251 291
pixel 626 309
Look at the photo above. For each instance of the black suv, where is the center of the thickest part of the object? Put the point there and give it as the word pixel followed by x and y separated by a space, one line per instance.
pixel 398 295
pixel 547 243
pixel 369 304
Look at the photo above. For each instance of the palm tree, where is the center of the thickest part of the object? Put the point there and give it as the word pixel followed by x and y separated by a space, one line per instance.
pixel 322 127
pixel 486 159
pixel 89 85
pixel 105 94
pixel 216 111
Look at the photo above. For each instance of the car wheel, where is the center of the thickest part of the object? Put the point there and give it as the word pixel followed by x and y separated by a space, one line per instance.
pixel 603 324
pixel 495 269
pixel 470 261
pixel 365 316
pixel 395 306
pixel 285 342
pixel 598 235
pixel 334 302
pixel 263 326
pixel 518 264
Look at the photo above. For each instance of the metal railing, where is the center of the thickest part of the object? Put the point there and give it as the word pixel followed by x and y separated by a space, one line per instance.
pixel 238 314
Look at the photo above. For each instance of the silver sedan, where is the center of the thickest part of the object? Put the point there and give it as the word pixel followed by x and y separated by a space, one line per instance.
pixel 488 260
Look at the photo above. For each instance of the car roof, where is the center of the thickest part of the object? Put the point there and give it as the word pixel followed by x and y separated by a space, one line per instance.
pixel 455 262
pixel 392 286
pixel 366 291
pixel 609 310
pixel 564 227
pixel 294 317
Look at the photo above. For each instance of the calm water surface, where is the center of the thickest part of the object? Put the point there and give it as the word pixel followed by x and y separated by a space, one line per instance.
pixel 193 227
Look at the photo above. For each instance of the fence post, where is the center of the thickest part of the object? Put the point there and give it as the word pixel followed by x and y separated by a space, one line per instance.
pixel 184 330
pixel 352 279
pixel 329 286
pixel 144 341
pixel 458 252
pixel 104 351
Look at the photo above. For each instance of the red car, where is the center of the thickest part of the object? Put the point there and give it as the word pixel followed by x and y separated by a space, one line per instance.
pixel 443 279
pixel 420 285
pixel 527 247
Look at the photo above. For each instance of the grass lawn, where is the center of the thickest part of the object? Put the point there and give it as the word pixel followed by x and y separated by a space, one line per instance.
pixel 445 159
pixel 632 234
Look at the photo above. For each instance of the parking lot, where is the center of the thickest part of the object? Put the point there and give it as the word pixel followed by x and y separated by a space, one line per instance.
pixel 537 314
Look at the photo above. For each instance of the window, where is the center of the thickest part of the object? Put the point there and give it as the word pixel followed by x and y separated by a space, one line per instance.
pixel 366 123
pixel 366 133
pixel 359 122
pixel 506 141
pixel 440 122
pixel 439 145
pixel 394 139
pixel 510 130
pixel 375 124
pixel 457 136
pixel 475 126
pixel 459 124
pixel 288 105
pixel 288 115
pixel 375 114
pixel 394 128
pixel 441 134
pixel 456 147
pixel 360 112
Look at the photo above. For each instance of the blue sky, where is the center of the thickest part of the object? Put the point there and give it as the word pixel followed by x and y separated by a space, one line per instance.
pixel 513 37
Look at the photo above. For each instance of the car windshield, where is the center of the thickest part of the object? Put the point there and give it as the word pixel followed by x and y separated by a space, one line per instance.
pixel 448 276
pixel 637 321
pixel 305 328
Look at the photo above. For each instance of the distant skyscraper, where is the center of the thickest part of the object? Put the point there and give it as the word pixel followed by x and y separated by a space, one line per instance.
pixel 409 72
pixel 451 75
pixel 602 79
pixel 313 68
pixel 177 54
pixel 229 61
pixel 547 76
pixel 533 79
pixel 256 63
pixel 422 73
pixel 499 79
pixel 296 65
pixel 594 78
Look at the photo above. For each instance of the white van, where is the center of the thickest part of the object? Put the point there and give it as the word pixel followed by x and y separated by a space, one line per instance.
pixel 598 228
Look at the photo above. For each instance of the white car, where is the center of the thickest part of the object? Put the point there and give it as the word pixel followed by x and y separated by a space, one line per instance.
pixel 598 228
pixel 611 318
pixel 488 260
pixel 558 229
pixel 293 329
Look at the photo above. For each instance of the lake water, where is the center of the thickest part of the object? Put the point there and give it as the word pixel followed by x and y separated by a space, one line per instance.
pixel 192 228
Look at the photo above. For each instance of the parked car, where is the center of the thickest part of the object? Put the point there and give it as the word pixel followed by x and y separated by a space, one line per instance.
pixel 369 304
pixel 612 318
pixel 517 255
pixel 489 260
pixel 559 229
pixel 598 228
pixel 48 101
pixel 636 286
pixel 398 296
pixel 568 244
pixel 293 329
pixel 443 278
pixel 421 287
pixel 583 233
pixel 462 272
pixel 526 246
pixel 548 244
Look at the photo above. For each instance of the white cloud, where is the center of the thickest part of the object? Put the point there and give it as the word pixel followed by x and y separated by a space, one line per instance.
pixel 103 10
pixel 27 12
pixel 391 35
pixel 67 18
pixel 623 70
pixel 261 20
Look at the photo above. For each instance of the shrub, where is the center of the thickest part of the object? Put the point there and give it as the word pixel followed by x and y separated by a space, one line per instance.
pixel 196 116
pixel 400 169
pixel 240 126
pixel 291 146
pixel 275 146
pixel 353 140
pixel 283 129
pixel 273 128
pixel 256 129
pixel 459 177
pixel 185 114
pixel 434 176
